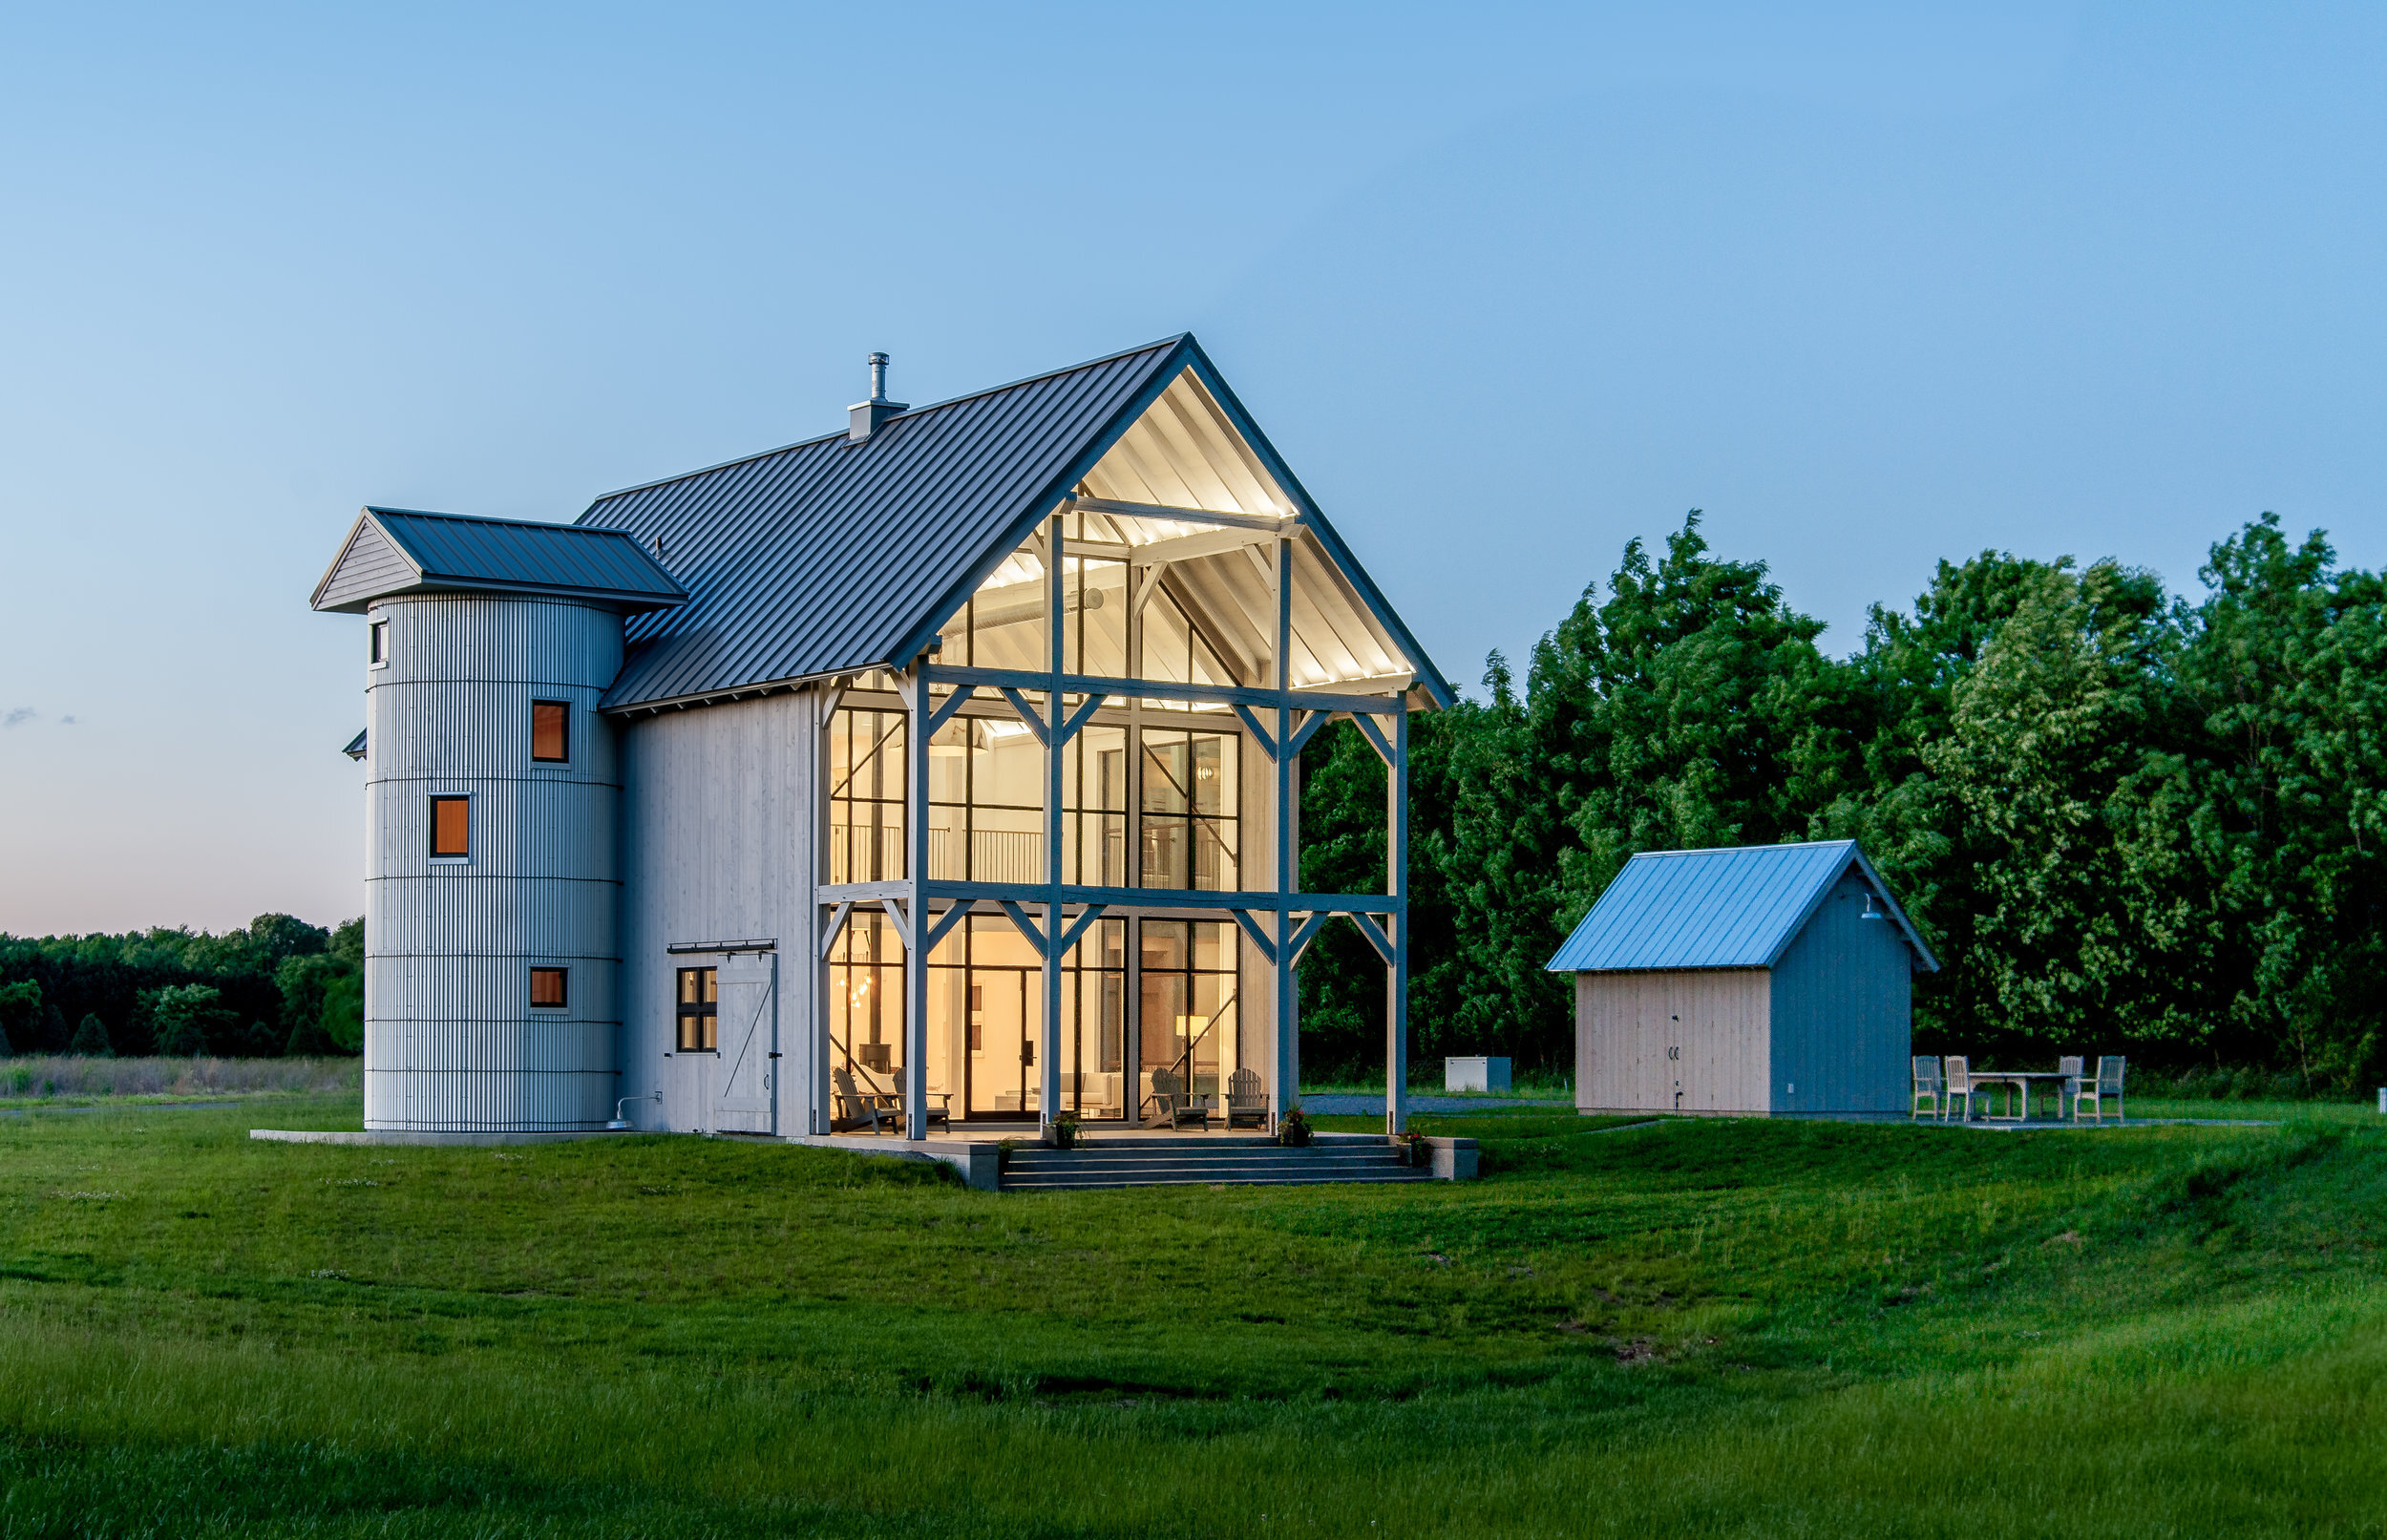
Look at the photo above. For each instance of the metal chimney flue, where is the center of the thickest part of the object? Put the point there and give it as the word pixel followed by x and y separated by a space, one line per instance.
pixel 863 417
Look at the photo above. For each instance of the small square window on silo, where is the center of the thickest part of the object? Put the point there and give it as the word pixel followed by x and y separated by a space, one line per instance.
pixel 452 826
pixel 551 731
pixel 547 987
pixel 377 644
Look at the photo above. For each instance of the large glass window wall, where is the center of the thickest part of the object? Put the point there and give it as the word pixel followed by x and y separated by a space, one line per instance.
pixel 866 1009
pixel 1190 814
pixel 985 1007
pixel 866 796
pixel 1189 1022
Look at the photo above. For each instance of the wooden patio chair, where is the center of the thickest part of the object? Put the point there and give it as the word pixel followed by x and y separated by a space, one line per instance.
pixel 1247 1100
pixel 877 1107
pixel 1930 1086
pixel 1958 1083
pixel 1171 1105
pixel 2106 1087
pixel 2069 1066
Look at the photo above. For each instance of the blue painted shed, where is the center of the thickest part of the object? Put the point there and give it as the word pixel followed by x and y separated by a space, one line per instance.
pixel 1764 979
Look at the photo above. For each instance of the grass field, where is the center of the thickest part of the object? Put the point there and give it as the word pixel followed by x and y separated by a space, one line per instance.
pixel 1700 1327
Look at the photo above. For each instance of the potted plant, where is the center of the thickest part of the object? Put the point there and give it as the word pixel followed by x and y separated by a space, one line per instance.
pixel 1412 1149
pixel 1064 1130
pixel 1294 1128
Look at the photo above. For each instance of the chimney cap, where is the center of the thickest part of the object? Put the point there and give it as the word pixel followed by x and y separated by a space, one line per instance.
pixel 864 418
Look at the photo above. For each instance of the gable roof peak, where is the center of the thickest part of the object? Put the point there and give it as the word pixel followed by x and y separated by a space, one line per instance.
pixel 1735 906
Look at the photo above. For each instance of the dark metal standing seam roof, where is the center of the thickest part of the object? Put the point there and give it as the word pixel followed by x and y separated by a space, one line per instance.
pixel 829 556
pixel 454 551
pixel 1735 908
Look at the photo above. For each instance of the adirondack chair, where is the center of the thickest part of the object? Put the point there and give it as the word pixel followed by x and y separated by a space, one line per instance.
pixel 1959 1083
pixel 2106 1087
pixel 1171 1105
pixel 882 1111
pixel 1930 1086
pixel 1247 1100
pixel 2067 1065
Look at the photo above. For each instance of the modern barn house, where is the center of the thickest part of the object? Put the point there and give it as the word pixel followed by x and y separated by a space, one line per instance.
pixel 936 773
pixel 1764 979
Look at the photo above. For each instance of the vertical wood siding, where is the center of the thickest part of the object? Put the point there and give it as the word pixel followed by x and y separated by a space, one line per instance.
pixel 1843 995
pixel 451 1040
pixel 1717 1019
pixel 717 841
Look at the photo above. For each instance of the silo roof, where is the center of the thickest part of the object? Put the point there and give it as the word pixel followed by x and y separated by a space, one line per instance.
pixel 393 551
pixel 1739 907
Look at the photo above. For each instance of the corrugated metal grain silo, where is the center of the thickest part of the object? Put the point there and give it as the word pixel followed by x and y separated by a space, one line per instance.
pixel 492 964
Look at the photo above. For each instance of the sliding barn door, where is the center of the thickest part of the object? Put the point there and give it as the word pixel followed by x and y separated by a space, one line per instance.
pixel 746 1082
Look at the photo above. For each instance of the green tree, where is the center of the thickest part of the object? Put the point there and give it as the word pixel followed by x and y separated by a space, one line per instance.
pixel 1691 708
pixel 343 1019
pixel 2056 752
pixel 20 1007
pixel 1901 698
pixel 188 1019
pixel 2289 671
pixel 91 1039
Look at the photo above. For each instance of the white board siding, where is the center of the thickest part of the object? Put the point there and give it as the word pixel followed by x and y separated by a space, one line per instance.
pixel 717 839
pixel 451 1039
pixel 1717 1019
pixel 1843 998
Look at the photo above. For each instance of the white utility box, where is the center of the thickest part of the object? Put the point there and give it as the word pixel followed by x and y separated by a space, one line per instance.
pixel 1475 1074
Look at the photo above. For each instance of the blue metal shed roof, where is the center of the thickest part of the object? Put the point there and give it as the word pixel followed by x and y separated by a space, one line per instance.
pixel 1733 908
pixel 831 557
pixel 452 551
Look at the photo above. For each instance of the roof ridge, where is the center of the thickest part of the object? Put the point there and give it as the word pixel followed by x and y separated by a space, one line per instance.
pixel 1737 850
pixel 486 519
pixel 906 412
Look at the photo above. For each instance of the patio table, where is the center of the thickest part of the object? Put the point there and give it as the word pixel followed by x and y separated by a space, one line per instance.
pixel 2020 1082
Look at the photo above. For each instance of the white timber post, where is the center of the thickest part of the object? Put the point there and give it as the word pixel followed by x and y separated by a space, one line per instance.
pixel 1048 1063
pixel 915 878
pixel 1284 1083
pixel 1397 884
pixel 821 1110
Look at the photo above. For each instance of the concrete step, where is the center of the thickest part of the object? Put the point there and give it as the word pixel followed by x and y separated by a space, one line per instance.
pixel 1185 1163
pixel 1039 1184
pixel 1222 1160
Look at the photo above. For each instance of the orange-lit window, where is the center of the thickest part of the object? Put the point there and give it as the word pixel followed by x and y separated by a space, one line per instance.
pixel 547 987
pixel 452 826
pixel 700 1009
pixel 551 731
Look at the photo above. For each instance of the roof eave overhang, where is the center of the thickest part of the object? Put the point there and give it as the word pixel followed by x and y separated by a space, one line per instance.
pixel 725 696
pixel 627 603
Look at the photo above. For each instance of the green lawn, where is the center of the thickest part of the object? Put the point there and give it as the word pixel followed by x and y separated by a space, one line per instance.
pixel 1694 1327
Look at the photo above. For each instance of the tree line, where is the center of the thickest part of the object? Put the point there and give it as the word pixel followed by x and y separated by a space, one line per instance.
pixel 279 986
pixel 2122 818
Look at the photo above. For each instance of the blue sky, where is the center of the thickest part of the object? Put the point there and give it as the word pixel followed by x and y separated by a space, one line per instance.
pixel 1507 285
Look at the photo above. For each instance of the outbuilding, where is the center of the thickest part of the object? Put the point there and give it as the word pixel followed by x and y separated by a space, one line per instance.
pixel 1762 981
